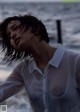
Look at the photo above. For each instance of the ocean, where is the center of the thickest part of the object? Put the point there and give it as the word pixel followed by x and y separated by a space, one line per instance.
pixel 48 13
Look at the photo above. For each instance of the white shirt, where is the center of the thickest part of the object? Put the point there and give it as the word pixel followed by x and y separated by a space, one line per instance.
pixel 53 86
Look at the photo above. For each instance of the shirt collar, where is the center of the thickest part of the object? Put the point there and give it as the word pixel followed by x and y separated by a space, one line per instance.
pixel 55 60
pixel 33 66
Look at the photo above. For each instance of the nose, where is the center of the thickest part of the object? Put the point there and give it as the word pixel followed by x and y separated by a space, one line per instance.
pixel 12 35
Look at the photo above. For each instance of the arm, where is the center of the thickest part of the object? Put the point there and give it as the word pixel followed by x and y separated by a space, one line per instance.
pixel 12 85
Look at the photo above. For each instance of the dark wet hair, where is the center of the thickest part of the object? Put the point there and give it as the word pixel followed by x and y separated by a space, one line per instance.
pixel 38 28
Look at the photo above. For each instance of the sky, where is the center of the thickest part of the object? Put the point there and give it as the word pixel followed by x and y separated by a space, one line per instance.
pixel 66 1
pixel 29 0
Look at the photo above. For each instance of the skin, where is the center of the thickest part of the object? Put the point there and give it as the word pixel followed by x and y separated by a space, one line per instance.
pixel 28 42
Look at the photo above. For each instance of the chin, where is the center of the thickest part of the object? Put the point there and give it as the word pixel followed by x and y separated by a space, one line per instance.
pixel 20 48
pixel 23 48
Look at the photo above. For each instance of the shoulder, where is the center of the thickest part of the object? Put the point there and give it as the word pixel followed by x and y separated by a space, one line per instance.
pixel 73 55
pixel 22 65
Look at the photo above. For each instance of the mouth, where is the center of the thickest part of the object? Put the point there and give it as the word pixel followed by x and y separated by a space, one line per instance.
pixel 17 41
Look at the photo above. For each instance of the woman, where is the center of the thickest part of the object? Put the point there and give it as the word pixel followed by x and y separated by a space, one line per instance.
pixel 51 75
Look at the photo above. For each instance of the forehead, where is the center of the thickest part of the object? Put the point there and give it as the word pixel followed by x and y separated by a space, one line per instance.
pixel 13 22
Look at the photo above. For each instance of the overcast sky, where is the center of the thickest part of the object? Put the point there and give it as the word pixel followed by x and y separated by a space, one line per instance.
pixel 29 0
pixel 40 1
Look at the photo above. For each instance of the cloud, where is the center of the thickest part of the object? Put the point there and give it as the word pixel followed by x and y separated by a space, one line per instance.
pixel 29 0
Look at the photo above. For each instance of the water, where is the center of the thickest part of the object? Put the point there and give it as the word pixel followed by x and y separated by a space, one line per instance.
pixel 48 13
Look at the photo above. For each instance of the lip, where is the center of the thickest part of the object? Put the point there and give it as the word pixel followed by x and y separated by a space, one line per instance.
pixel 17 41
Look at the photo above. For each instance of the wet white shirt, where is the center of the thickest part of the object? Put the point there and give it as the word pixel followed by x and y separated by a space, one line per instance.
pixel 55 89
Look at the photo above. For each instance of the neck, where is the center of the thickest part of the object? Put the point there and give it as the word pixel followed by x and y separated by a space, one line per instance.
pixel 42 54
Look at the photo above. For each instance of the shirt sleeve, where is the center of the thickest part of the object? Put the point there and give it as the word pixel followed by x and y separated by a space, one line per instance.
pixel 12 85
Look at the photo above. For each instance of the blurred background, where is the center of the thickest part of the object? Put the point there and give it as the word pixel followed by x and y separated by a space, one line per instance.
pixel 48 12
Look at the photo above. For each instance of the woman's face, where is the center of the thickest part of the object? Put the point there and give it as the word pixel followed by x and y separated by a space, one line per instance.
pixel 19 39
pixel 14 31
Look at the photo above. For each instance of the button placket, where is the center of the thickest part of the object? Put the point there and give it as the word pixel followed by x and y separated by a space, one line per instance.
pixel 45 89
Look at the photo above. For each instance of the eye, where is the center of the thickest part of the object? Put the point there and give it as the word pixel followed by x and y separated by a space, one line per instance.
pixel 15 27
